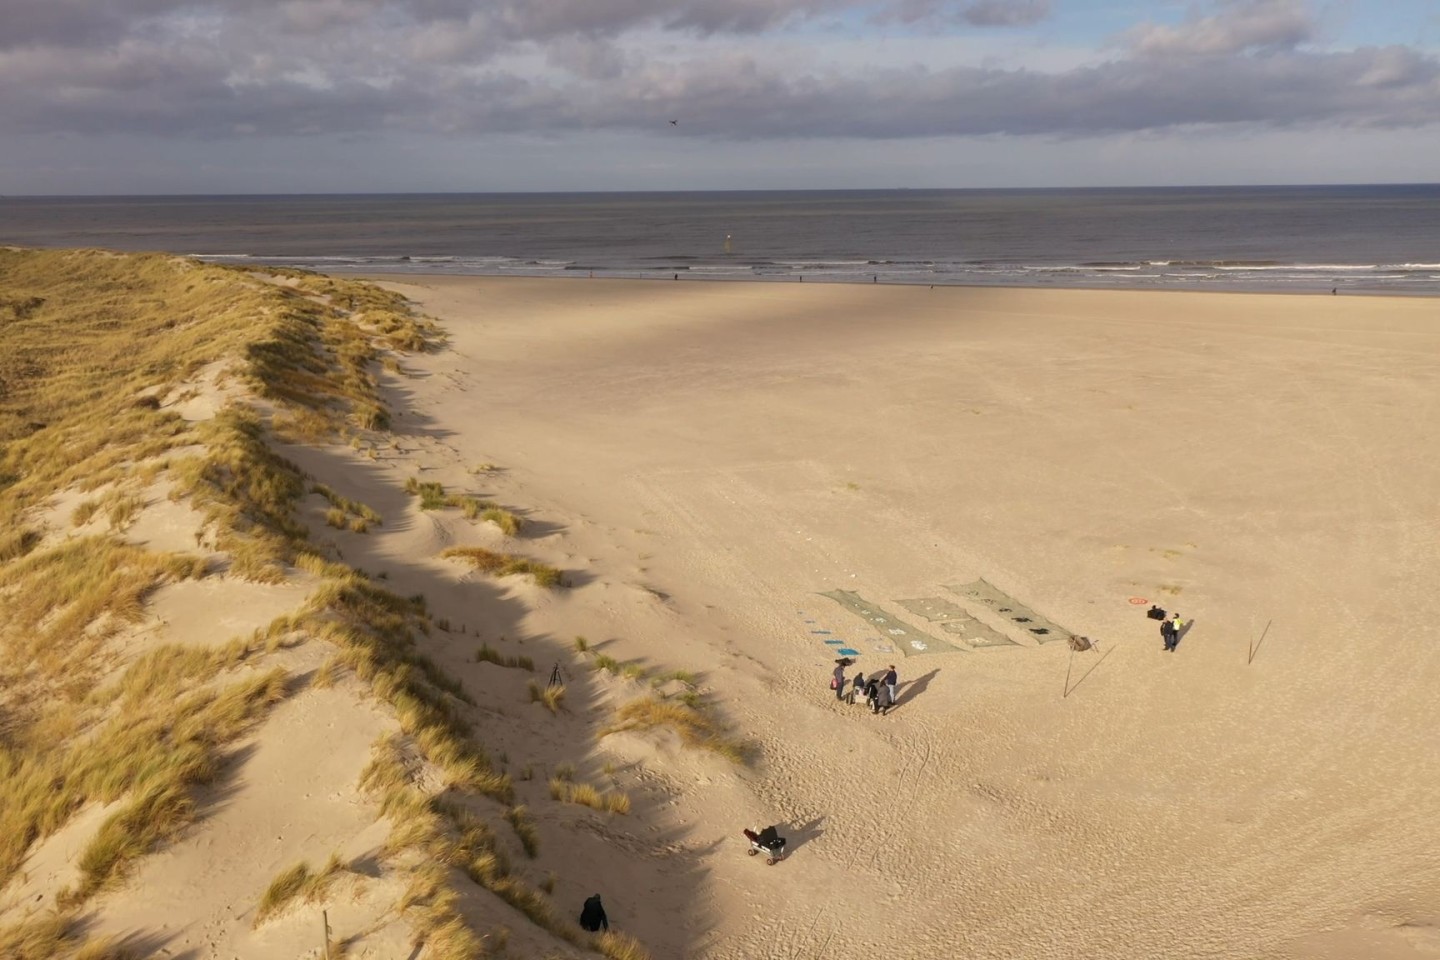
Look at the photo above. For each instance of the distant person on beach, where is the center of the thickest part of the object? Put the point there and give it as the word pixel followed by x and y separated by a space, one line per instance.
pixel 884 700
pixel 872 695
pixel 1170 632
pixel 592 915
pixel 857 685
pixel 892 684
pixel 837 681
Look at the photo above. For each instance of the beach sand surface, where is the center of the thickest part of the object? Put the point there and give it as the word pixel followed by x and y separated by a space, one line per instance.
pixel 706 460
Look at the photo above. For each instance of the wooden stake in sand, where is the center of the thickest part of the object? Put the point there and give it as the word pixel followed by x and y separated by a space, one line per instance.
pixel 325 919
pixel 1255 648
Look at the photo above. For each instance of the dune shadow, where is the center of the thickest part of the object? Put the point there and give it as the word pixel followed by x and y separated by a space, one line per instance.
pixel 532 529
pixel 216 796
pixel 138 943
pixel 571 579
pixel 482 636
pixel 407 420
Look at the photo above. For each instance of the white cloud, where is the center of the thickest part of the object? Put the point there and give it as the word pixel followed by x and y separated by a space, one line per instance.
pixel 1238 26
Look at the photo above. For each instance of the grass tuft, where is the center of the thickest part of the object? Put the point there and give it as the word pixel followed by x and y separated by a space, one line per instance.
pixel 694 725
pixel 524 826
pixel 585 795
pixel 300 883
pixel 620 946
pixel 550 695
pixel 487 654
pixel 504 564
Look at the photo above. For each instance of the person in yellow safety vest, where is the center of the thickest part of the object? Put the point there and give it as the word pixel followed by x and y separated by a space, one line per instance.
pixel 1171 631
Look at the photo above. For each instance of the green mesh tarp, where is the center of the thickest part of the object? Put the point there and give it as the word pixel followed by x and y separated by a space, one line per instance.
pixel 906 638
pixel 953 619
pixel 980 592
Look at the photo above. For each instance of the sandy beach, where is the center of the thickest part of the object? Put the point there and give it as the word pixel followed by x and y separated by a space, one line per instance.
pixel 542 600
pixel 713 458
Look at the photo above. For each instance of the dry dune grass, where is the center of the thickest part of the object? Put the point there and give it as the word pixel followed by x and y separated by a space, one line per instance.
pixel 152 749
pixel 94 341
pixel 504 564
pixel 298 883
pixel 694 724
pixel 433 497
pixel 55 936
pixel 488 654
pixel 583 794
pixel 374 628
pixel 62 604
pixel 97 339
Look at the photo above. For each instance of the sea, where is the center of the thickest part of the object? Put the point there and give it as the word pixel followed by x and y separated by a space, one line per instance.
pixel 1316 239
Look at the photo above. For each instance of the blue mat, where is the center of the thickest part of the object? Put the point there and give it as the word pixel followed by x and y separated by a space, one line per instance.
pixel 847 652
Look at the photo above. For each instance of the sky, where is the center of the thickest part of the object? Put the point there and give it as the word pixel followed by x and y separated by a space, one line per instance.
pixel 356 96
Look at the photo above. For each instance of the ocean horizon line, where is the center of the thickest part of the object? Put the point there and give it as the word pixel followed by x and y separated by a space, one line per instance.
pixel 727 191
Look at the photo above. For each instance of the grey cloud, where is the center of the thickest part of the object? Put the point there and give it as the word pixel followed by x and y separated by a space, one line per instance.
pixel 331 67
pixel 978 13
pixel 727 99
pixel 68 22
pixel 98 23
pixel 86 23
pixel 588 58
pixel 318 16
pixel 182 91
pixel 1237 26
pixel 1006 13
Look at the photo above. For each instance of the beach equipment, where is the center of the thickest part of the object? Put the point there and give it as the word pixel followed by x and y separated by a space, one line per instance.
pixel 769 842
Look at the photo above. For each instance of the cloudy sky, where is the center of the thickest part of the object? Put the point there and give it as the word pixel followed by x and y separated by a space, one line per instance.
pixel 246 96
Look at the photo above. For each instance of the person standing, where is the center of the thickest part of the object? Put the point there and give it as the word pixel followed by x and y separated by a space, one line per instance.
pixel 892 684
pixel 1170 632
pixel 857 686
pixel 592 915
pixel 837 681
pixel 872 694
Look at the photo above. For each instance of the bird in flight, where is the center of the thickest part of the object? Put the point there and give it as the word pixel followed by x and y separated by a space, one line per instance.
pixel 674 123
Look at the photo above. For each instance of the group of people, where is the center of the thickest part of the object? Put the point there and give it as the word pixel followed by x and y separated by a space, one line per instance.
pixel 880 692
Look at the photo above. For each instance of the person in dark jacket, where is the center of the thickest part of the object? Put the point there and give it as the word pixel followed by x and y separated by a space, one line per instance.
pixel 872 694
pixel 592 917
pixel 1169 634
pixel 883 701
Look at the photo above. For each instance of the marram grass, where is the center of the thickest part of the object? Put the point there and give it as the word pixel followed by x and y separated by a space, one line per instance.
pixel 99 349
